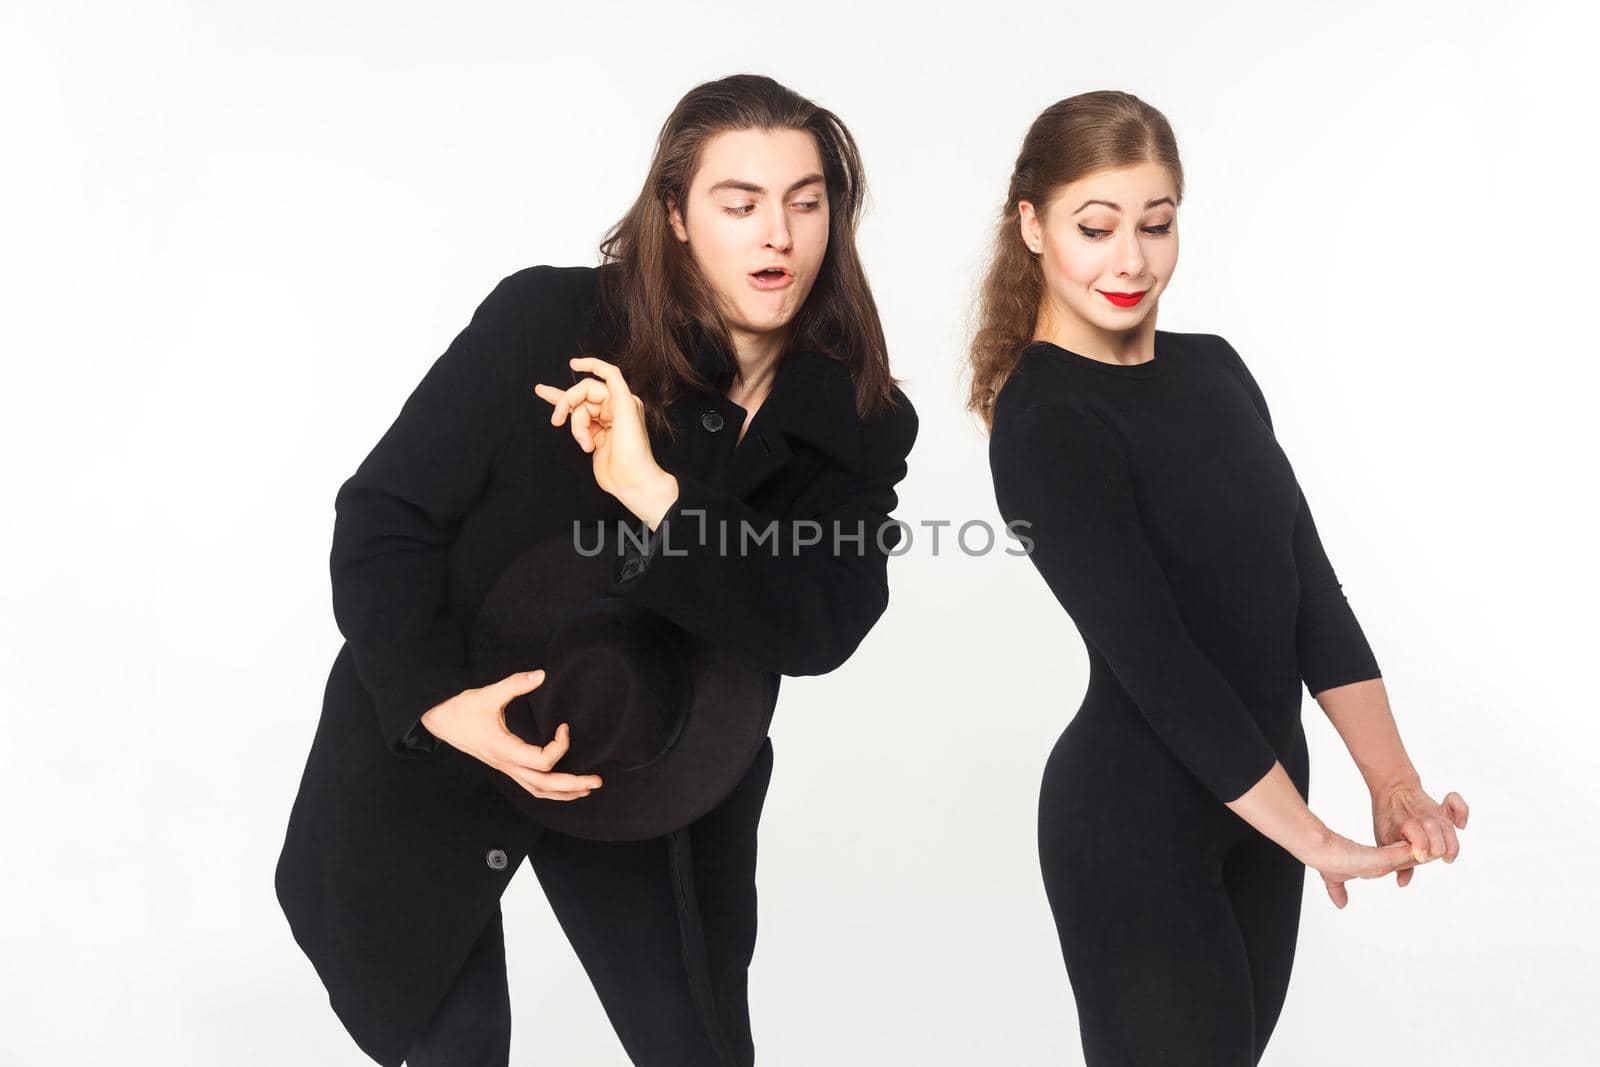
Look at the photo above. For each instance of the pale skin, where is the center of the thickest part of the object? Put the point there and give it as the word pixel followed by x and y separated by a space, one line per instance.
pixel 1116 230
pixel 758 199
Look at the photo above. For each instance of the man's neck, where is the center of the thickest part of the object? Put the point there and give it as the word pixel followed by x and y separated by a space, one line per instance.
pixel 757 359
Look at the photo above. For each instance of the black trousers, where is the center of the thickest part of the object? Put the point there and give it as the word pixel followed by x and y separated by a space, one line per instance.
pixel 1177 919
pixel 665 929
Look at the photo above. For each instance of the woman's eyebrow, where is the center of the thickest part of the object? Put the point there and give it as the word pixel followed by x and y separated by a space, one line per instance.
pixel 1148 204
pixel 752 187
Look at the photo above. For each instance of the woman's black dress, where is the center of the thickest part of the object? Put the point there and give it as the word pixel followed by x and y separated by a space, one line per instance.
pixel 1169 524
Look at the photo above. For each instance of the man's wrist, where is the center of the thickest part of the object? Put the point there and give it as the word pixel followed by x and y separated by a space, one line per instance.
pixel 652 500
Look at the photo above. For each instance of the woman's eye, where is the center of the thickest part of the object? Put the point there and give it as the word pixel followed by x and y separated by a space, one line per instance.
pixel 740 209
pixel 1154 231
pixel 809 205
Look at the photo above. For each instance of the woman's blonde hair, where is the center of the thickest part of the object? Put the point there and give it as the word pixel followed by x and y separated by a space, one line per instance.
pixel 1070 139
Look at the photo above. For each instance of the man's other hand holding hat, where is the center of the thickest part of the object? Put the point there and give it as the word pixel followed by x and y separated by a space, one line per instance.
pixel 473 721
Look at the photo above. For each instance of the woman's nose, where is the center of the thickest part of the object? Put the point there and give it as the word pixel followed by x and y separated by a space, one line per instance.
pixel 1132 256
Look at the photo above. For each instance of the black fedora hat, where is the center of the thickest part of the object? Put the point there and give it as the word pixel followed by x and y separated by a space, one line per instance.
pixel 669 721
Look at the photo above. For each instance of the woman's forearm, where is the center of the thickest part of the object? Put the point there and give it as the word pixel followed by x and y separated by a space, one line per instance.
pixel 1360 712
pixel 1276 809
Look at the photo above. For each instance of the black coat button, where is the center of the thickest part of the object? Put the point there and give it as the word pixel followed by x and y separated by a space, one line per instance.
pixel 711 420
pixel 496 859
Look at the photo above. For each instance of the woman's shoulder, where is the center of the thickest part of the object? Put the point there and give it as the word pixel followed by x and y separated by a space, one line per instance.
pixel 1210 350
pixel 1045 405
pixel 1037 381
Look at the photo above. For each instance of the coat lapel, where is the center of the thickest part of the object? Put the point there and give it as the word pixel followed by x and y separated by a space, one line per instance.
pixel 812 401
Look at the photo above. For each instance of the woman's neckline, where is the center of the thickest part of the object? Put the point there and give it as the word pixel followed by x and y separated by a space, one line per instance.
pixel 1149 368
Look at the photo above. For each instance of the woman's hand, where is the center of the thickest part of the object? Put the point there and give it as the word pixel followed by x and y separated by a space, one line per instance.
pixel 1407 814
pixel 1339 859
pixel 474 721
pixel 608 421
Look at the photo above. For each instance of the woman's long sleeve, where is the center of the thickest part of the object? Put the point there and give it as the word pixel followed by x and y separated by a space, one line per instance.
pixel 1331 647
pixel 1062 479
pixel 399 513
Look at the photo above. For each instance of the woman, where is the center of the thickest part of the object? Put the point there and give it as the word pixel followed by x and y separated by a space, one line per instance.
pixel 1140 468
pixel 725 366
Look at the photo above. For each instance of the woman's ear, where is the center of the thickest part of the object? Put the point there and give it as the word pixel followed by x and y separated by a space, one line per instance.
pixel 676 220
pixel 1028 227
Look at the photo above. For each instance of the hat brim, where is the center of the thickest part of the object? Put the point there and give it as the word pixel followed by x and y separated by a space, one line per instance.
pixel 730 710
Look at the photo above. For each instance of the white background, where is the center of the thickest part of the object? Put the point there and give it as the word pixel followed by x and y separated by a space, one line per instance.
pixel 234 236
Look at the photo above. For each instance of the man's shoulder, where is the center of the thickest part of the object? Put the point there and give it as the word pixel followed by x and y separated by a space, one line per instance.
pixel 555 307
pixel 547 286
pixel 892 429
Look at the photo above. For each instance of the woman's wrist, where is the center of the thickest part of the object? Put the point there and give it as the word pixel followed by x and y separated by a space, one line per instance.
pixel 1384 788
pixel 1312 839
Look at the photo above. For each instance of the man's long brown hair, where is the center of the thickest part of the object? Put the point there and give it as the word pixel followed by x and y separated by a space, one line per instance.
pixel 1070 139
pixel 654 303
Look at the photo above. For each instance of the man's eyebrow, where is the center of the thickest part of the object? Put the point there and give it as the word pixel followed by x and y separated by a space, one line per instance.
pixel 752 187
pixel 1148 204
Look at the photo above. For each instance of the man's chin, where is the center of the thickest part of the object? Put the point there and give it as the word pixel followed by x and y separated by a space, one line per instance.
pixel 761 326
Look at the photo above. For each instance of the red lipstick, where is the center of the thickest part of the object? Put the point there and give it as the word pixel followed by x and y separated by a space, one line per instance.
pixel 1123 300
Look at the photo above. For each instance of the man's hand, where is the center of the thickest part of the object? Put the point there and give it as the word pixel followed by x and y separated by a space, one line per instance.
pixel 474 721
pixel 608 421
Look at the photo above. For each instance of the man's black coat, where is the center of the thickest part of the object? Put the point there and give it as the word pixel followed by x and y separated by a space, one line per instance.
pixel 399 847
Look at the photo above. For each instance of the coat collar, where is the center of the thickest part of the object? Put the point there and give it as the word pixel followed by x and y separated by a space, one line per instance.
pixel 812 400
